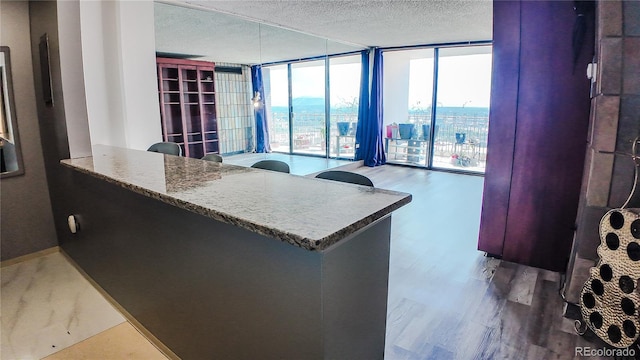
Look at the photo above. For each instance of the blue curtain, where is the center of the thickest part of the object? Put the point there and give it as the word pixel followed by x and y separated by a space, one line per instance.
pixel 262 130
pixel 363 105
pixel 369 145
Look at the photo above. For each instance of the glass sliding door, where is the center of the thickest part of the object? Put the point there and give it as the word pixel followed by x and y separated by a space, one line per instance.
pixel 436 106
pixel 420 106
pixel 276 90
pixel 408 99
pixel 344 87
pixel 308 129
pixel 462 112
pixel 307 117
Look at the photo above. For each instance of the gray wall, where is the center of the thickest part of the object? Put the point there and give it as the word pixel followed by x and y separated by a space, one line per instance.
pixel 43 18
pixel 26 223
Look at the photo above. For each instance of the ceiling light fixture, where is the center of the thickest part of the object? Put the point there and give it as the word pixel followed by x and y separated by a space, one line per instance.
pixel 256 99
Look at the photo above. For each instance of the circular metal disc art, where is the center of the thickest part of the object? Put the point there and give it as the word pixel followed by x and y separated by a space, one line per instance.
pixel 610 299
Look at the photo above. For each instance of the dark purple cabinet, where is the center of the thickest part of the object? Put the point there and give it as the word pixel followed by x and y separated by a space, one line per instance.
pixel 537 134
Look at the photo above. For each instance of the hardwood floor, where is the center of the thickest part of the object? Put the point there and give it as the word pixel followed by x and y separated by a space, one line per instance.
pixel 446 299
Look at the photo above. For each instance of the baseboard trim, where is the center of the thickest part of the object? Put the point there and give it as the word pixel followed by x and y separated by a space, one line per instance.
pixel 132 320
pixel 26 257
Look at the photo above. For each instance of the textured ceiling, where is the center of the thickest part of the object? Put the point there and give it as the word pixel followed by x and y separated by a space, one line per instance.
pixel 229 32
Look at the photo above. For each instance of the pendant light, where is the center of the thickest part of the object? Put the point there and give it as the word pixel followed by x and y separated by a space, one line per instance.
pixel 257 99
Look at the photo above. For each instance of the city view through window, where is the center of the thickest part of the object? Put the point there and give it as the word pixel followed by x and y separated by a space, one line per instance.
pixel 455 139
pixel 307 133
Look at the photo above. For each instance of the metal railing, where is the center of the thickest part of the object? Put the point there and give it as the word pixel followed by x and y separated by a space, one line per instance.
pixel 309 132
pixel 474 128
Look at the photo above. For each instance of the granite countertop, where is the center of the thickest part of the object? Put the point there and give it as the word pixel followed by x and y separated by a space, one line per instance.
pixel 306 212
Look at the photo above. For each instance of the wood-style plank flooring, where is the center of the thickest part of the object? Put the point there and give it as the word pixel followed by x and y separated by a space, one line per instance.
pixel 446 299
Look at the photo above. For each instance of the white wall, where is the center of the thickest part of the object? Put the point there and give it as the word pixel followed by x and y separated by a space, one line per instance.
pixel 139 77
pixel 75 105
pixel 118 48
pixel 396 87
pixel 100 59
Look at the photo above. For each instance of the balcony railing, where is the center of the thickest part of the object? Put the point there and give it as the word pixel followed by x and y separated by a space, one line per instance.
pixel 309 136
pixel 475 128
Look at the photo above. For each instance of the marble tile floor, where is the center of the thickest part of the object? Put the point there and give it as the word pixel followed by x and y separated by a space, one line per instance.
pixel 47 306
pixel 120 342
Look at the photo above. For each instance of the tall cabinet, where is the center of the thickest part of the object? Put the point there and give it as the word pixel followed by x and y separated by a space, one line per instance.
pixel 537 134
pixel 187 105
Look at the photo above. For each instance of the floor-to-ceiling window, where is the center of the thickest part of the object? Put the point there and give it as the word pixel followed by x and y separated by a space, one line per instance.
pixel 462 111
pixel 308 80
pixel 276 90
pixel 408 97
pixel 453 133
pixel 312 111
pixel 344 87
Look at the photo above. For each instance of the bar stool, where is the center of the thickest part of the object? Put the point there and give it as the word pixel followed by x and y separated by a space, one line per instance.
pixel 345 176
pixel 274 165
pixel 170 148
pixel 212 157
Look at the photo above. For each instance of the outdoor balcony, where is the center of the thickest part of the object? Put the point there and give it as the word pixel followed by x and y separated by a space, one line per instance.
pixel 460 139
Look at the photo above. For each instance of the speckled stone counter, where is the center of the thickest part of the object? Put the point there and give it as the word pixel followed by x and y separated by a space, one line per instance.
pixel 218 261
pixel 310 213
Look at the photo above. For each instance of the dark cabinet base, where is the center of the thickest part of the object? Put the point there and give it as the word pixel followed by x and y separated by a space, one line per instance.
pixel 210 290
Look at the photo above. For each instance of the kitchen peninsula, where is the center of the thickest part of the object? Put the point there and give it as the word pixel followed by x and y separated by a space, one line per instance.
pixel 223 261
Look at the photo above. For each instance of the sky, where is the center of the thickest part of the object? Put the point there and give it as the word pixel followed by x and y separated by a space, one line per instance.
pixel 464 80
pixel 309 82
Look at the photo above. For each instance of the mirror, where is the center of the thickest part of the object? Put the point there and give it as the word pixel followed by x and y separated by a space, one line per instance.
pixel 10 155
pixel 202 33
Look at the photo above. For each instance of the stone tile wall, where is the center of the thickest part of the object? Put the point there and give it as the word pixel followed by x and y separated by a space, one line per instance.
pixel 614 123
